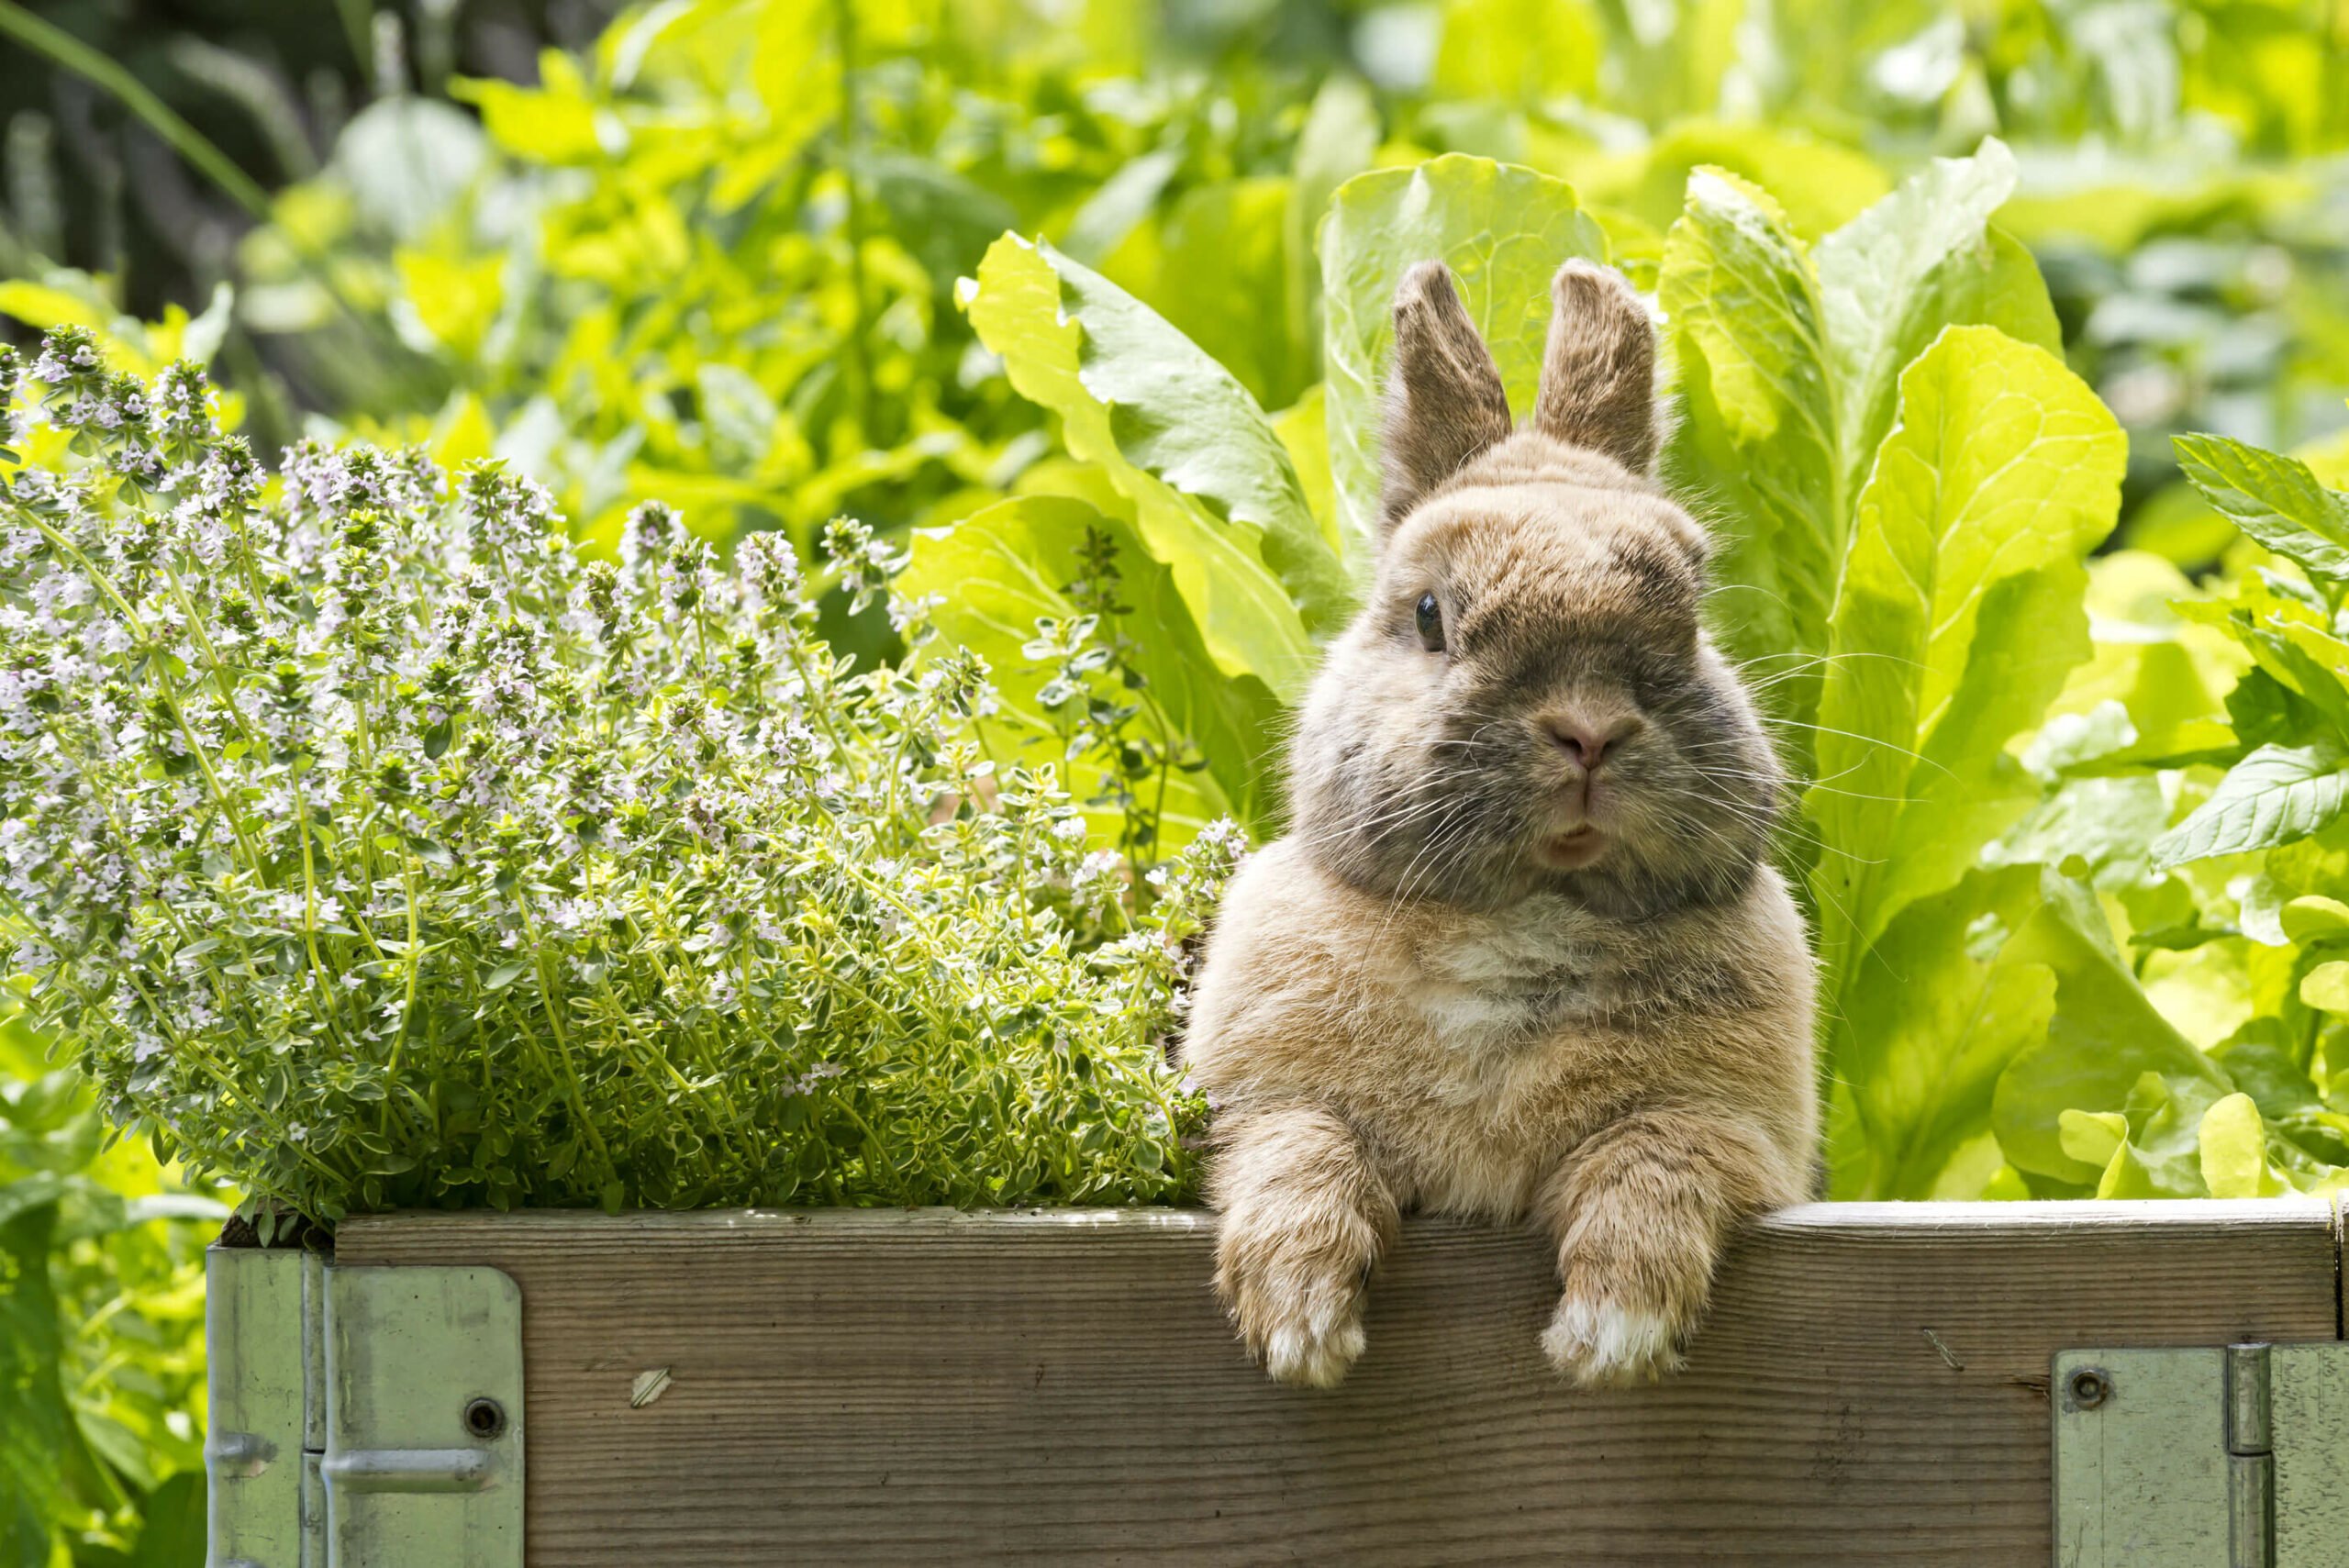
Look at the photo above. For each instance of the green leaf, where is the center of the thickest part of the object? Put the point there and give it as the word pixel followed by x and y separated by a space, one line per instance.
pixel 1217 268
pixel 2098 829
pixel 2162 1156
pixel 2092 1137
pixel 2274 498
pixel 2277 795
pixel 1524 52
pixel 33 1412
pixel 504 974
pixel 1923 258
pixel 1214 497
pixel 550 124
pixel 2292 641
pixel 2313 918
pixel 942 217
pixel 1958 616
pixel 1338 141
pixel 1502 229
pixel 173 1532
pixel 1760 428
pixel 1120 204
pixel 1921 1046
pixel 1304 430
pixel 2326 987
pixel 1789 370
pixel 2233 1149
pixel 1004 567
pixel 2105 1039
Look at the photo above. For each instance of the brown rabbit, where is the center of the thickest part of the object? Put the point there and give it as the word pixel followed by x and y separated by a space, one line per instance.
pixel 1523 952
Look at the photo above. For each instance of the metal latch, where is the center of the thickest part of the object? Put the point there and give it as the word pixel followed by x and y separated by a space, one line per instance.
pixel 362 1417
pixel 2233 1457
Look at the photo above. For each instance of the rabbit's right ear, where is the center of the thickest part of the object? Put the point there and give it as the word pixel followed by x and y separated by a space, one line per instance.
pixel 1445 401
pixel 1598 367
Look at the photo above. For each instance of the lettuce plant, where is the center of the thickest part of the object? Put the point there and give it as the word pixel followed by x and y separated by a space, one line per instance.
pixel 378 849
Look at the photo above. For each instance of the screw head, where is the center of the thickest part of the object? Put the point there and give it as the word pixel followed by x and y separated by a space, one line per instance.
pixel 485 1418
pixel 2091 1388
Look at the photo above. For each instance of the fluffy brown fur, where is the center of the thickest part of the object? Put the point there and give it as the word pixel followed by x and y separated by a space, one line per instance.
pixel 1523 953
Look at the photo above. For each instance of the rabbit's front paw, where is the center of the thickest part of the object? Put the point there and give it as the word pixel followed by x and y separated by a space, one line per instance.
pixel 1600 1341
pixel 1311 1338
pixel 1299 1309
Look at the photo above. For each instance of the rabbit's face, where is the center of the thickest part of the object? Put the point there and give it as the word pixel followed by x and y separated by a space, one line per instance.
pixel 1527 702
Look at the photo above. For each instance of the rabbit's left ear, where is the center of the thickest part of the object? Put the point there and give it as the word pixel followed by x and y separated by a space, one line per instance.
pixel 1598 369
pixel 1444 400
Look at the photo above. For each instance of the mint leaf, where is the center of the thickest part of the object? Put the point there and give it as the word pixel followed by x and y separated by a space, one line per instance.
pixel 2274 498
pixel 2277 795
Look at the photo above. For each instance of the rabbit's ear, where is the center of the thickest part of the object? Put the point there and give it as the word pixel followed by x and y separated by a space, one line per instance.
pixel 1445 402
pixel 1599 371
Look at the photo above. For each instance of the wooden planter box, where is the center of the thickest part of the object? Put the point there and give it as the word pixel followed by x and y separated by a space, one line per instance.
pixel 1872 1388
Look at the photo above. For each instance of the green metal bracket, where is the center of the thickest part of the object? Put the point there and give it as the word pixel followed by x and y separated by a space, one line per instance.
pixel 2233 1457
pixel 362 1417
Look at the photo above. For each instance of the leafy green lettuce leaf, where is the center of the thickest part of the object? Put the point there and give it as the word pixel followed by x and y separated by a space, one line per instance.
pixel 1214 495
pixel 2104 1042
pixel 1920 1046
pixel 1958 616
pixel 1790 364
pixel 1759 436
pixel 1924 257
pixel 1503 230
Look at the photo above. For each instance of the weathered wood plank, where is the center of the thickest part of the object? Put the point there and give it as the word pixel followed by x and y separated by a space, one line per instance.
pixel 884 1388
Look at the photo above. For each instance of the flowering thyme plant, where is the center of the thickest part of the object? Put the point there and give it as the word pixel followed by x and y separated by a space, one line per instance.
pixel 377 850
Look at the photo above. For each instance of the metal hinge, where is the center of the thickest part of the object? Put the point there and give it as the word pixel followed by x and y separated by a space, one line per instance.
pixel 362 1417
pixel 2233 1457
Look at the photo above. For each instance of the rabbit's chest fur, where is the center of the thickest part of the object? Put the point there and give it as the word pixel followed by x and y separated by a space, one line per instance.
pixel 1473 1051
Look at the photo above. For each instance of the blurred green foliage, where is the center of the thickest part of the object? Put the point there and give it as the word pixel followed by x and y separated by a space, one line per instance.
pixel 712 256
pixel 101 1332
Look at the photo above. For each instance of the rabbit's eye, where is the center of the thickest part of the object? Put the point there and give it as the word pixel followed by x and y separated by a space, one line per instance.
pixel 1431 624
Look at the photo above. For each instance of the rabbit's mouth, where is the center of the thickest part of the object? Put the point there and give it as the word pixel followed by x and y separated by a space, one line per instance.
pixel 1572 849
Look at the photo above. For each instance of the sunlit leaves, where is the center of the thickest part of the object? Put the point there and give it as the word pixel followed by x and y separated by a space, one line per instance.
pixel 1762 432
pixel 2274 498
pixel 1923 258
pixel 1215 498
pixel 1943 1006
pixel 2277 795
pixel 1956 620
pixel 1789 361
pixel 1001 570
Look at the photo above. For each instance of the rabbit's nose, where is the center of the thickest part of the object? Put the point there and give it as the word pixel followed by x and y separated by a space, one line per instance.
pixel 1585 741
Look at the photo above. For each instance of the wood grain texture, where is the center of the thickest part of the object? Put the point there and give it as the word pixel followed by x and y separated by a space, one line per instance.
pixel 897 1387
